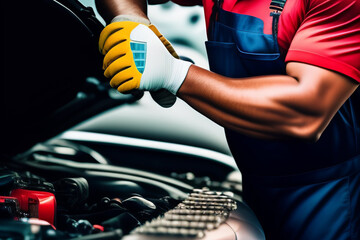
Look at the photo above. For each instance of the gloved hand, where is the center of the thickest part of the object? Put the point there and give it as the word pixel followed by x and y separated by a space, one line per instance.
pixel 161 96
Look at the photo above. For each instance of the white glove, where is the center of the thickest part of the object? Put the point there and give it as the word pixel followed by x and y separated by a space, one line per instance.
pixel 161 96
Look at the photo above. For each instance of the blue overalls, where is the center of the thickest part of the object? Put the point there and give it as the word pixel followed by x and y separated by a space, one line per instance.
pixel 298 190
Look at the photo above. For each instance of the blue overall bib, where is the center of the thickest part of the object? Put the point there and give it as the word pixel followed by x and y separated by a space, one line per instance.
pixel 298 190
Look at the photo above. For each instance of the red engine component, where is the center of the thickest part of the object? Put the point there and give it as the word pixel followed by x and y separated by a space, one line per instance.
pixel 36 201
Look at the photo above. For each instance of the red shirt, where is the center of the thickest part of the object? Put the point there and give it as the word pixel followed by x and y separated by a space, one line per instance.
pixel 324 33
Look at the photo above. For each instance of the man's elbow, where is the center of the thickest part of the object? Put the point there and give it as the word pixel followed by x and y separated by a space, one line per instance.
pixel 310 129
pixel 310 135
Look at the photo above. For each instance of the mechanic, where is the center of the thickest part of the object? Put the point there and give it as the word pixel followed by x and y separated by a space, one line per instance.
pixel 283 83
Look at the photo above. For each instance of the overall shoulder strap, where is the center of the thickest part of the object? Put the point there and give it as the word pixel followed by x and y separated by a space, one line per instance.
pixel 277 6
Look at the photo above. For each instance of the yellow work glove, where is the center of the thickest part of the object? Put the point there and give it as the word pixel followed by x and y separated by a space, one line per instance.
pixel 163 97
pixel 135 58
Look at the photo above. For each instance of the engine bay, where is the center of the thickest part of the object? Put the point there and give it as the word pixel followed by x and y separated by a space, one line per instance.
pixel 47 195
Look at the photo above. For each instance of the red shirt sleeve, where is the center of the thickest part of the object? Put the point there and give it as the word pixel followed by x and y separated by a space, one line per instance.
pixel 188 2
pixel 329 37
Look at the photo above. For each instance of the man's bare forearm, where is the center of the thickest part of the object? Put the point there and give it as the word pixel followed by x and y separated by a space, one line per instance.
pixel 299 104
pixel 108 9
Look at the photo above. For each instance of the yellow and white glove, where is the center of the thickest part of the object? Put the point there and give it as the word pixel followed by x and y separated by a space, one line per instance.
pixel 133 58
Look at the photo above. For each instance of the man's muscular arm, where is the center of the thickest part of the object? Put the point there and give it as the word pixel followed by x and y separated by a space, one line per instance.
pixel 300 104
pixel 108 9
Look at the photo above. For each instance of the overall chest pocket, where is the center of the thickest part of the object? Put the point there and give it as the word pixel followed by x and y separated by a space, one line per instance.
pixel 237 53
